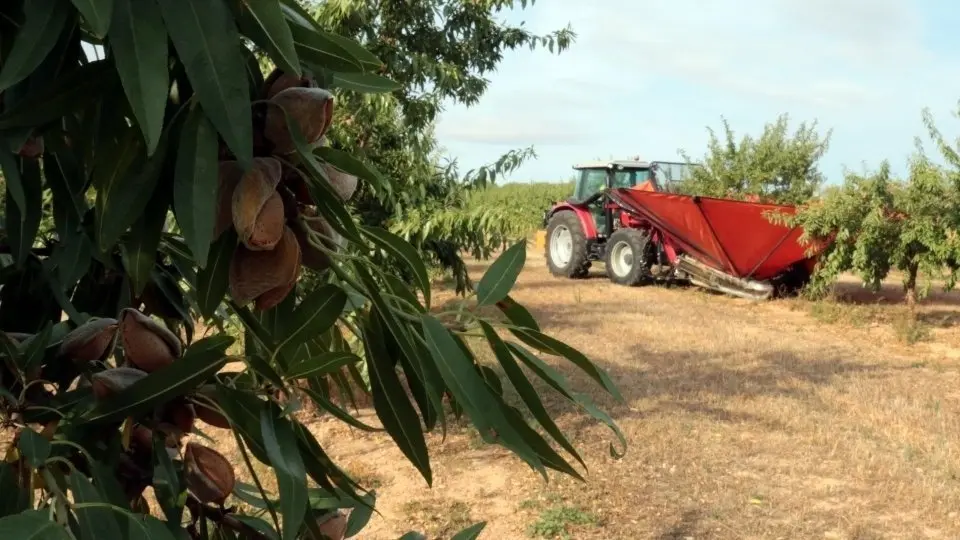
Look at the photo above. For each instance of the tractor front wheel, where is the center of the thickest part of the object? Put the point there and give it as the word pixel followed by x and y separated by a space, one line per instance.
pixel 566 246
pixel 626 257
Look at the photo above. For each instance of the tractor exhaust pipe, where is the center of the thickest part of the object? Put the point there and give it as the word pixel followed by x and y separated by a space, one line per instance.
pixel 710 278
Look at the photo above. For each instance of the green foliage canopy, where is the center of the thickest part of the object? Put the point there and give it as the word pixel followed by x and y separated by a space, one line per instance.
pixel 133 161
pixel 777 165
pixel 879 223
pixel 438 52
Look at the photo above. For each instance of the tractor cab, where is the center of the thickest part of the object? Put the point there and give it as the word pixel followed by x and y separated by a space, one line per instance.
pixel 597 176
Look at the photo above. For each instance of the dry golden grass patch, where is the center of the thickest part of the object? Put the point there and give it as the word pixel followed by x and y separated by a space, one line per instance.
pixel 744 420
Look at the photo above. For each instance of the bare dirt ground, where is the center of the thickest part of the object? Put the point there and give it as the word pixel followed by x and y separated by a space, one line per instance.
pixel 782 419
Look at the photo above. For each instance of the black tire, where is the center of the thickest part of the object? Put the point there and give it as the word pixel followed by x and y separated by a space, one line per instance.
pixel 578 265
pixel 628 268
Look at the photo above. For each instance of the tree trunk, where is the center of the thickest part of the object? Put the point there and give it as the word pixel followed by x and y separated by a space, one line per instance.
pixel 911 285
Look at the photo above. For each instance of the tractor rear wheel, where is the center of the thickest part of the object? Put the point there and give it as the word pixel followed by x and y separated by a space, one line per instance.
pixel 566 246
pixel 626 256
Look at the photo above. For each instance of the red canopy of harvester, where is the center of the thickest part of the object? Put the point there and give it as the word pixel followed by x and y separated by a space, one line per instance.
pixel 732 236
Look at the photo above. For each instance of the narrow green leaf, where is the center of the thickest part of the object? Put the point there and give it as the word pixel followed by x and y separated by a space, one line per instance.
pixel 502 275
pixel 13 497
pixel 32 525
pixel 390 401
pixel 206 38
pixel 359 517
pixel 526 390
pixel 349 164
pixel 319 465
pixel 95 523
pixel 321 365
pixel 214 278
pixel 203 359
pixel 108 486
pixel 72 92
pixel 404 251
pixel 34 447
pixel 67 186
pixel 366 83
pixel 296 13
pixel 243 410
pixel 546 454
pixel 559 383
pixel 44 20
pixel 35 348
pixel 72 258
pixel 250 494
pixel 258 525
pixel 250 321
pixel 336 411
pixel 549 345
pixel 409 347
pixel 368 61
pixel 318 48
pixel 517 314
pixel 195 184
pixel 263 368
pixel 468 387
pixel 274 34
pixel 166 483
pixel 281 444
pixel 97 14
pixel 123 192
pixel 470 533
pixel 22 226
pixel 315 314
pixel 138 43
pixel 10 164
pixel 141 245
pixel 141 527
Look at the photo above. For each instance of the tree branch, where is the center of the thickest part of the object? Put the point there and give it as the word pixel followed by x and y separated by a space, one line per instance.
pixel 222 517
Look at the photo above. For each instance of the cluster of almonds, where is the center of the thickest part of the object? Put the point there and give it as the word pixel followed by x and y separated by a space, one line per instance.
pixel 265 203
pixel 148 346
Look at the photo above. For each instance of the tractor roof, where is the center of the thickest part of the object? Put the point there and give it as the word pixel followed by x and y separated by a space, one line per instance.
pixel 613 164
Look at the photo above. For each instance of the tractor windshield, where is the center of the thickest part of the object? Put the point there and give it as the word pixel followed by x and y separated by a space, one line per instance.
pixel 670 175
pixel 627 178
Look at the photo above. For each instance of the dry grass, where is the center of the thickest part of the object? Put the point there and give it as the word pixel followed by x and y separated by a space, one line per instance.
pixel 773 420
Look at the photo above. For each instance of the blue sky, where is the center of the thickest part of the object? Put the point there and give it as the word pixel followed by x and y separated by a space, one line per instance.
pixel 648 76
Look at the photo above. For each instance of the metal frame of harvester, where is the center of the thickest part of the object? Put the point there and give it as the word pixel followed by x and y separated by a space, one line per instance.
pixel 627 214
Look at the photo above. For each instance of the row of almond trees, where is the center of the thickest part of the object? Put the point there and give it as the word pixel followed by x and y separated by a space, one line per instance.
pixel 876 223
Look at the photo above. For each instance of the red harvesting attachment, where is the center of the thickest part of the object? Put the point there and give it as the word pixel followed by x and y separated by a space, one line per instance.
pixel 734 237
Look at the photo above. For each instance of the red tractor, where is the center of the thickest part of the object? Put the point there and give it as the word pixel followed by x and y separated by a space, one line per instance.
pixel 629 215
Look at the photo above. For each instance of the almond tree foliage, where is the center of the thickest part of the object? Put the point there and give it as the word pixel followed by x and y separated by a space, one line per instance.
pixel 436 51
pixel 778 166
pixel 879 223
pixel 182 187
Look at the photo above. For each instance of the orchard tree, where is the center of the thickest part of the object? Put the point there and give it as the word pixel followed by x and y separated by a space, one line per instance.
pixel 437 52
pixel 169 184
pixel 778 166
pixel 878 224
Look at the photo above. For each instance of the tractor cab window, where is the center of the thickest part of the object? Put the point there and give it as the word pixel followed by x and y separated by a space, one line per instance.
pixel 591 181
pixel 670 175
pixel 629 178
